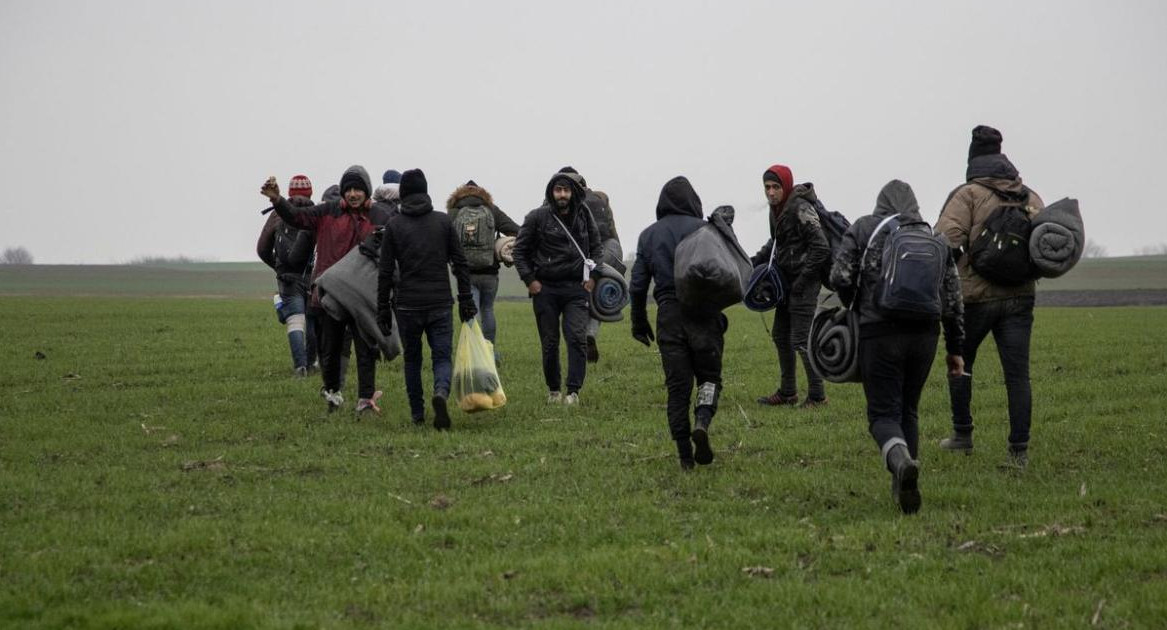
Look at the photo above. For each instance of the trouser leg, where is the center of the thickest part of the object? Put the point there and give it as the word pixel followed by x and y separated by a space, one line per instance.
pixel 678 369
pixel 801 316
pixel 1012 334
pixel 920 354
pixel 575 324
pixel 410 328
pixel 978 321
pixel 787 376
pixel 547 321
pixel 332 338
pixel 366 366
pixel 440 335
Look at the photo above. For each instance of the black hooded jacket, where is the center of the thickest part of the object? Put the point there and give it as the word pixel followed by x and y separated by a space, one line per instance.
pixel 287 250
pixel 544 252
pixel 857 268
pixel 678 214
pixel 422 243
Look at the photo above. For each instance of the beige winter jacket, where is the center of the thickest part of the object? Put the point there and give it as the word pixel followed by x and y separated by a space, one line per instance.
pixel 964 216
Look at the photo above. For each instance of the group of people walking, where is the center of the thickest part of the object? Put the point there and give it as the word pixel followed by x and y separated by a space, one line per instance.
pixel 555 253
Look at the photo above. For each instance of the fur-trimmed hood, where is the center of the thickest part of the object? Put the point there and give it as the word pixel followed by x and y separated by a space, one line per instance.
pixel 469 195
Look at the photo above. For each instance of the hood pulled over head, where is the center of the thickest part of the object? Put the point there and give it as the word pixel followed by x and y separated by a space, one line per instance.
pixel 678 197
pixel 897 197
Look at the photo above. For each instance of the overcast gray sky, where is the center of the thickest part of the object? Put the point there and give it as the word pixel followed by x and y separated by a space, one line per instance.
pixel 133 128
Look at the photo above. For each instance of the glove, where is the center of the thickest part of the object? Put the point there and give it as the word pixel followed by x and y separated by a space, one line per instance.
pixel 466 308
pixel 642 332
pixel 385 322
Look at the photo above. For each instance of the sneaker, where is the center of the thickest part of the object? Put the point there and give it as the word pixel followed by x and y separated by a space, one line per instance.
pixel 958 443
pixel 554 398
pixel 300 372
pixel 334 399
pixel 702 454
pixel 571 399
pixel 777 399
pixel 811 403
pixel 593 350
pixel 441 416
pixel 369 404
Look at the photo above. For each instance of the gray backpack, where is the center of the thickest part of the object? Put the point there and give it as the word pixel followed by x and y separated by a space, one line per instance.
pixel 911 271
pixel 474 226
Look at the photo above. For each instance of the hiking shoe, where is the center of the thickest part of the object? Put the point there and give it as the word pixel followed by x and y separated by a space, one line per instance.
pixel 441 416
pixel 571 399
pixel 905 475
pixel 777 398
pixel 334 399
pixel 300 372
pixel 1019 458
pixel 369 404
pixel 702 454
pixel 958 443
pixel 685 455
pixel 418 421
pixel 811 403
pixel 688 464
pixel 554 398
pixel 593 350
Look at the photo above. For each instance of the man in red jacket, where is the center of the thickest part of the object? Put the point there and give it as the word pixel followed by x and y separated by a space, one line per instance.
pixel 339 226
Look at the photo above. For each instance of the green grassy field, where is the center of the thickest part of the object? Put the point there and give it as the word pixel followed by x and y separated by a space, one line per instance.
pixel 161 469
pixel 254 279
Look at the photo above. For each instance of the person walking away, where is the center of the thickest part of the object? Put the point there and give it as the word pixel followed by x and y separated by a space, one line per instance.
pixel 478 223
pixel 288 251
pixel 992 187
pixel 691 342
pixel 339 227
pixel 801 255
pixel 896 348
pixel 424 246
pixel 555 256
pixel 386 198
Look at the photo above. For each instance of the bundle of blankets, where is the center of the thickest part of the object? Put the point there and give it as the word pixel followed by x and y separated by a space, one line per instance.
pixel 348 289
pixel 834 344
pixel 1057 239
pixel 610 295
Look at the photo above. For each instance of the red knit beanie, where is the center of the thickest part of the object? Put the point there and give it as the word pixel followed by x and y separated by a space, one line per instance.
pixel 300 186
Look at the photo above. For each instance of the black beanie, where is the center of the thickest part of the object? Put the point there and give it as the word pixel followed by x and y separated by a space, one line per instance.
pixel 413 182
pixel 771 176
pixel 985 141
pixel 352 179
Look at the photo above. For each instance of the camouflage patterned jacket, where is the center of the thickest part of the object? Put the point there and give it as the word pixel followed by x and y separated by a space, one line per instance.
pixel 857 271
pixel 802 248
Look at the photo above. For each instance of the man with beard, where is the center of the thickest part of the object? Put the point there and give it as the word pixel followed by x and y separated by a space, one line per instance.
pixel 691 342
pixel 554 256
pixel 801 252
pixel 339 227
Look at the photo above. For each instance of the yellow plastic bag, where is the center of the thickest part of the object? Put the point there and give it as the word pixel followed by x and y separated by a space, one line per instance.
pixel 475 383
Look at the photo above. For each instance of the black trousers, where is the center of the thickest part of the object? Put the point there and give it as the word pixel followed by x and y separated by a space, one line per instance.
pixel 332 350
pixel 566 301
pixel 894 368
pixel 691 347
pixel 1011 323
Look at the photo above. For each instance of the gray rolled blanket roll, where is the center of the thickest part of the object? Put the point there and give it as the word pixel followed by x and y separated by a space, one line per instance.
pixel 834 344
pixel 1058 238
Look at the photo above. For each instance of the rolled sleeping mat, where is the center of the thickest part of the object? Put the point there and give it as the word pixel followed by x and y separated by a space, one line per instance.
pixel 504 250
pixel 609 296
pixel 348 290
pixel 765 290
pixel 614 255
pixel 1058 238
pixel 834 344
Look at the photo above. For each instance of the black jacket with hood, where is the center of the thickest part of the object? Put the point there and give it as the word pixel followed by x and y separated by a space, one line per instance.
pixel 287 250
pixel 678 214
pixel 422 243
pixel 544 252
pixel 803 251
pixel 857 267
pixel 469 196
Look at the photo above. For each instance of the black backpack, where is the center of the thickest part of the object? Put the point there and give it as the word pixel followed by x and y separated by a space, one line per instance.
pixel 1000 252
pixel 834 225
pixel 911 275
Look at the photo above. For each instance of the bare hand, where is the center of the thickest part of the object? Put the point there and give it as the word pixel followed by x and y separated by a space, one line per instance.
pixel 589 284
pixel 535 287
pixel 955 365
pixel 270 189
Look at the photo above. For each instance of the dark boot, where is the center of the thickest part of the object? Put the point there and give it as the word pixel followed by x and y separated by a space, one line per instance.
pixel 958 442
pixel 593 351
pixel 441 416
pixel 1019 456
pixel 905 474
pixel 703 454
pixel 685 454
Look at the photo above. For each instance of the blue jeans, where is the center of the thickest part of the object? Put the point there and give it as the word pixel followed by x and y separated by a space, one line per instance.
pixel 484 288
pixel 1011 322
pixel 301 342
pixel 438 326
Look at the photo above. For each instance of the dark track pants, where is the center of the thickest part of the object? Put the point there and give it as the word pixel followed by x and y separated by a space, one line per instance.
pixel 691 348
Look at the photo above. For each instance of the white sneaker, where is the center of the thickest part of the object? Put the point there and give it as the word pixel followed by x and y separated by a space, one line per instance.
pixel 554 398
pixel 334 399
pixel 571 399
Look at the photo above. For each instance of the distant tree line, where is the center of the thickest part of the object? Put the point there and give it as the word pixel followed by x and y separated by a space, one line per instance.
pixel 16 256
